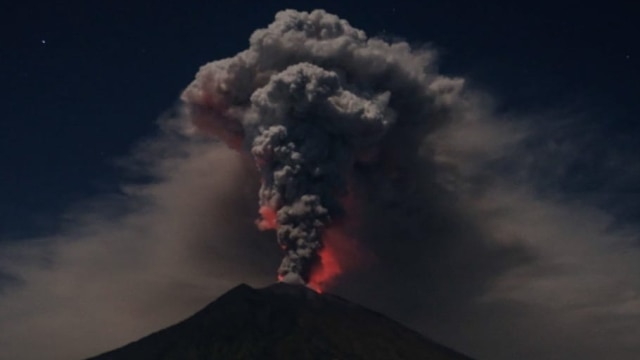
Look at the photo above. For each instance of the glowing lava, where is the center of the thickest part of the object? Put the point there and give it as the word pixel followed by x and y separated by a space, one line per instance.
pixel 269 218
pixel 326 270
pixel 338 254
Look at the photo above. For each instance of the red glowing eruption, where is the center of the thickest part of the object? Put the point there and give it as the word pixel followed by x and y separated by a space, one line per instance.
pixel 269 218
pixel 326 270
pixel 338 254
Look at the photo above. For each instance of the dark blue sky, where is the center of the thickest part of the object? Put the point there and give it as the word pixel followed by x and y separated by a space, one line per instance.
pixel 86 80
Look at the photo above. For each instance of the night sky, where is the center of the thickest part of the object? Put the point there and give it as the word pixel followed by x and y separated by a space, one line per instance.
pixel 86 82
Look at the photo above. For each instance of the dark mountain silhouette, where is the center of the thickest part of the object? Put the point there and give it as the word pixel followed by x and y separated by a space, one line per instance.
pixel 283 322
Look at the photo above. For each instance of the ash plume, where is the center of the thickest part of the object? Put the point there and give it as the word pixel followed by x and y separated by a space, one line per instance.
pixel 311 99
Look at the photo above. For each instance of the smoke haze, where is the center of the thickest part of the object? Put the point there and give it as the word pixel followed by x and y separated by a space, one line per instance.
pixel 443 193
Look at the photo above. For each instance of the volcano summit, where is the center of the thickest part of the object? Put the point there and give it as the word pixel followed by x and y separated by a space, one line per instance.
pixel 283 321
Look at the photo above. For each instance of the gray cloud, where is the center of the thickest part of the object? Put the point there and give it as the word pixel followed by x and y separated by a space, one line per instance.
pixel 309 98
pixel 545 275
pixel 128 265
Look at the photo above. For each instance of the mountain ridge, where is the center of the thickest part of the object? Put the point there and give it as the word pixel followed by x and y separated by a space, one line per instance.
pixel 283 321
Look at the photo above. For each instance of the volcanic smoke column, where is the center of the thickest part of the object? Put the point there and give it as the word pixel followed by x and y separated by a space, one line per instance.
pixel 311 97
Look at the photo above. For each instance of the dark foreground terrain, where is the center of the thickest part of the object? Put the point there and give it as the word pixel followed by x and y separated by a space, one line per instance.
pixel 283 322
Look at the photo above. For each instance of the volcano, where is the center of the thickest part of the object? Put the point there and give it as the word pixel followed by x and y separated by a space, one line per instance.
pixel 283 321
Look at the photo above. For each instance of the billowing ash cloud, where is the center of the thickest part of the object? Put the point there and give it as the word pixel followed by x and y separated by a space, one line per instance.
pixel 311 99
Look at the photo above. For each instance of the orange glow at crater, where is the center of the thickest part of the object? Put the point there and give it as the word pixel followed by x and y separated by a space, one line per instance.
pixel 338 254
pixel 328 268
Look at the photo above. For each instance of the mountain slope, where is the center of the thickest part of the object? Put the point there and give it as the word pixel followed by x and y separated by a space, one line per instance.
pixel 283 322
